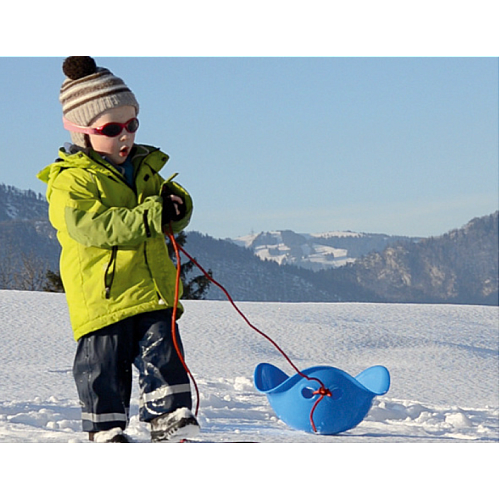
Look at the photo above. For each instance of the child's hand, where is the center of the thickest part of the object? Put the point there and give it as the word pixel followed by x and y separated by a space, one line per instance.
pixel 174 208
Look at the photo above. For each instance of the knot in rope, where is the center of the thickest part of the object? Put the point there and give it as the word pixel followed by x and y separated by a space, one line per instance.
pixel 323 391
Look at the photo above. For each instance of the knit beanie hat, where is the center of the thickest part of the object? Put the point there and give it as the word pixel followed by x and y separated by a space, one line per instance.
pixel 88 91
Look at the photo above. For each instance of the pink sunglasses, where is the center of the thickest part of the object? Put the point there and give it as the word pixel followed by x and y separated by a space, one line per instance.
pixel 109 129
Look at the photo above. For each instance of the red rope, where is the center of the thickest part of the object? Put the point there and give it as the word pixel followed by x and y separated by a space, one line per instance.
pixel 322 391
pixel 174 316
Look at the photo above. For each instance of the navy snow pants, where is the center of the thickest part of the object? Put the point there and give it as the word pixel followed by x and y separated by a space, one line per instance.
pixel 103 371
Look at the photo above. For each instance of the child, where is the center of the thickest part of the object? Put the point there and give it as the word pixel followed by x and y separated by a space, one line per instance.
pixel 111 207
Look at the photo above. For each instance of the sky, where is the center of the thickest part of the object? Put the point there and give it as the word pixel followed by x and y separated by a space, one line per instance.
pixel 401 145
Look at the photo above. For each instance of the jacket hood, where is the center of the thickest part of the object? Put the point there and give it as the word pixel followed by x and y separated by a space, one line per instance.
pixel 73 156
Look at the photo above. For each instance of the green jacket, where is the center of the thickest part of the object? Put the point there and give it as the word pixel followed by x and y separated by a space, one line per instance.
pixel 114 259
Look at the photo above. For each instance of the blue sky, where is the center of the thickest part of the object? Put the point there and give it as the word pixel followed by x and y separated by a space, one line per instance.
pixel 397 145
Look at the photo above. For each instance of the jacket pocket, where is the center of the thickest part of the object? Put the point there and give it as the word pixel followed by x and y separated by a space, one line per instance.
pixel 109 274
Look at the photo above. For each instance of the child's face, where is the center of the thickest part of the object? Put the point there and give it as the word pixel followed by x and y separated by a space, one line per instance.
pixel 116 148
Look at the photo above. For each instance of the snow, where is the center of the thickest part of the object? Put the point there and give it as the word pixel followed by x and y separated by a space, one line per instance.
pixel 334 234
pixel 443 361
pixel 309 255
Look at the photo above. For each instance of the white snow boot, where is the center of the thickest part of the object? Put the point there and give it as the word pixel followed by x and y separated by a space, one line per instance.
pixel 174 427
pixel 114 435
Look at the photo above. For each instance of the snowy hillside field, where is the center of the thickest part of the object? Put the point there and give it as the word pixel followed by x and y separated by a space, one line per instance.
pixel 443 361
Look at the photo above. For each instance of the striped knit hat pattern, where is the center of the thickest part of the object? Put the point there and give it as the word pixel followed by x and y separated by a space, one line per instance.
pixel 88 91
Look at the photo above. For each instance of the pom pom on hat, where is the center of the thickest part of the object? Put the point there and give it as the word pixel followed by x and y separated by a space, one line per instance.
pixel 76 67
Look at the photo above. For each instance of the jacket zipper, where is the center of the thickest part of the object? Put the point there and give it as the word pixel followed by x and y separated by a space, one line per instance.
pixel 118 176
pixel 146 223
pixel 110 276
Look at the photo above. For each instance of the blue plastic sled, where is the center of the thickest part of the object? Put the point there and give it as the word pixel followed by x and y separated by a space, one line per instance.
pixel 292 398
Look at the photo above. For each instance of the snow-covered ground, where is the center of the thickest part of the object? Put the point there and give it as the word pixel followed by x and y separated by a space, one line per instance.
pixel 443 361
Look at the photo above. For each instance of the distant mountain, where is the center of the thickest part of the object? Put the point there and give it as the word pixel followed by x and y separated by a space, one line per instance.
pixel 316 251
pixel 246 277
pixel 17 204
pixel 28 242
pixel 460 267
pixel 282 266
